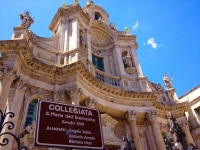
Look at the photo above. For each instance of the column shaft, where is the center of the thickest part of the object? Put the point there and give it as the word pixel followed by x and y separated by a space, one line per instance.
pixel 135 134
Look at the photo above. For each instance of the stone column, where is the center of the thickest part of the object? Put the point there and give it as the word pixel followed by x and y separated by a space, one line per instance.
pixel 16 107
pixel 90 103
pixel 152 116
pixel 131 117
pixel 186 129
pixel 74 94
pixel 9 75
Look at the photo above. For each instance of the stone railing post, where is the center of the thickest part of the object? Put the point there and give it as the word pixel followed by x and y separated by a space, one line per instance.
pixel 74 94
pixel 131 117
pixel 152 116
pixel 9 75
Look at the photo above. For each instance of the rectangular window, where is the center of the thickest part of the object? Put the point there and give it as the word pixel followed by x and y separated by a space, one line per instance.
pixel 32 110
pixel 98 62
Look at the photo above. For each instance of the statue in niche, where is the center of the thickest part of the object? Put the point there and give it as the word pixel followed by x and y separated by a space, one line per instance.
pixel 26 20
pixel 127 60
pixel 167 81
pixel 83 40
pixel 128 65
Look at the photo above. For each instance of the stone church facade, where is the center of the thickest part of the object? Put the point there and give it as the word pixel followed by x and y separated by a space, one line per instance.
pixel 88 62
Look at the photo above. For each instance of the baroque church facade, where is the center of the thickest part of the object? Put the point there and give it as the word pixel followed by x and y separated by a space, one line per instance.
pixel 88 62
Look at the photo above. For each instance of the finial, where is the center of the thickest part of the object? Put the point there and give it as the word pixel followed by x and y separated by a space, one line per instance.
pixel 64 4
pixel 126 28
pixel 75 1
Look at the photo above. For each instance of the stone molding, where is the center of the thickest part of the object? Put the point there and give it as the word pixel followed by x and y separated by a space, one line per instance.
pixel 152 115
pixel 131 115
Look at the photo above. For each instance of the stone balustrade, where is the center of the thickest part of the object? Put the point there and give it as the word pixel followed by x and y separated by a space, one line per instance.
pixel 124 33
pixel 107 78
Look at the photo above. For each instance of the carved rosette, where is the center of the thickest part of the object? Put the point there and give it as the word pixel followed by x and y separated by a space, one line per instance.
pixel 130 115
pixel 152 115
pixel 90 103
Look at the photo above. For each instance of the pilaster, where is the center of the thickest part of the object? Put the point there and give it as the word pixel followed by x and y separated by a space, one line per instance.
pixel 9 75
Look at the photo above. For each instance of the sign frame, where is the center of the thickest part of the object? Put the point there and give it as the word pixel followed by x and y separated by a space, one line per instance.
pixel 37 143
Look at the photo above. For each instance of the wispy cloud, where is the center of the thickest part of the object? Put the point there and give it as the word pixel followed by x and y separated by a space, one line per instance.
pixel 152 43
pixel 135 25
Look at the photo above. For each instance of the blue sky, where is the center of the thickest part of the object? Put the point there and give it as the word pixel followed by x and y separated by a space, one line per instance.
pixel 167 32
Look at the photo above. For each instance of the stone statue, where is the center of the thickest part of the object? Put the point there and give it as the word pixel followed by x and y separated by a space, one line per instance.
pixel 90 2
pixel 127 60
pixel 26 20
pixel 112 26
pixel 167 81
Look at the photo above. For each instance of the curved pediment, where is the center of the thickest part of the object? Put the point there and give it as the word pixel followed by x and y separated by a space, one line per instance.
pixel 100 38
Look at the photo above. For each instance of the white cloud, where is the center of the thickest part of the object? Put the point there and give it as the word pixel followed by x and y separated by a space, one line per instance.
pixel 135 26
pixel 152 43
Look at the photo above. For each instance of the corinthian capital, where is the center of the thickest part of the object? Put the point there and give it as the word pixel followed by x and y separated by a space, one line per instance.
pixel 10 73
pixel 151 115
pixel 74 92
pixel 130 115
pixel 90 102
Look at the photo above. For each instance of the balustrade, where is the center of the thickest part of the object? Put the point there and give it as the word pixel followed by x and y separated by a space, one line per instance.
pixel 108 79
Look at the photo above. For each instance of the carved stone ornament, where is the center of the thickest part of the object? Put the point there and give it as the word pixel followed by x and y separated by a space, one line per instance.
pixel 83 38
pixel 28 139
pixel 100 39
pixel 10 73
pixel 168 81
pixel 89 103
pixel 130 115
pixel 21 86
pixel 59 96
pixel 26 20
pixel 130 70
pixel 74 92
pixel 128 64
pixel 108 124
pixel 151 115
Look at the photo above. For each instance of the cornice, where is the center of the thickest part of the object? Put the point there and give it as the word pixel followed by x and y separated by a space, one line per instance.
pixel 51 73
pixel 179 106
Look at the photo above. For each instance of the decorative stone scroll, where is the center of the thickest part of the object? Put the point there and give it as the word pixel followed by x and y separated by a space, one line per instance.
pixel 9 73
pixel 74 94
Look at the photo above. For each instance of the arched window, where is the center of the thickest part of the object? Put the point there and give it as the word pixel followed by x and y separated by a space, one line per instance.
pixel 98 62
pixel 32 110
pixel 97 16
